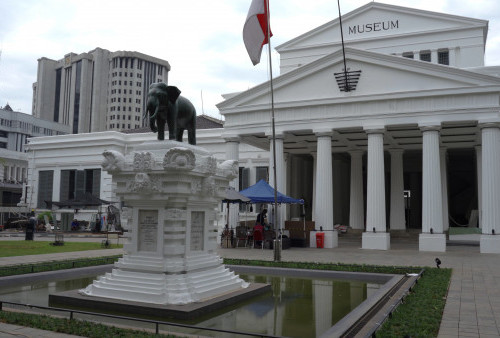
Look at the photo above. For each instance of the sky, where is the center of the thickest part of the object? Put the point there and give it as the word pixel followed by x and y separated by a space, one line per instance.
pixel 202 40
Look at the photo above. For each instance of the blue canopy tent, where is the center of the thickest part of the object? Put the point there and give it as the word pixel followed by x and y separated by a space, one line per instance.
pixel 262 192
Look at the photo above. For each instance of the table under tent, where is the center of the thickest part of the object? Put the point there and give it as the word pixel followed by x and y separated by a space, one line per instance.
pixel 262 192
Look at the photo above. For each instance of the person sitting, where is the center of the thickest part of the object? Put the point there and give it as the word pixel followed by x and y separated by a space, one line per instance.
pixel 74 225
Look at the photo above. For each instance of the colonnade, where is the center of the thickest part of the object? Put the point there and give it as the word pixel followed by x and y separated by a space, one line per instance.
pixel 434 188
pixel 13 173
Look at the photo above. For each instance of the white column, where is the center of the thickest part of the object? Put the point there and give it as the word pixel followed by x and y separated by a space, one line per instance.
pixel 315 165
pixel 324 189
pixel 479 163
pixel 280 175
pixel 375 236
pixel 444 186
pixel 323 305
pixel 397 214
pixel 56 185
pixel 233 153
pixel 490 242
pixel 356 205
pixel 432 237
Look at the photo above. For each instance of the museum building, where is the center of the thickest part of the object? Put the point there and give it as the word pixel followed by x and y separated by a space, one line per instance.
pixel 406 137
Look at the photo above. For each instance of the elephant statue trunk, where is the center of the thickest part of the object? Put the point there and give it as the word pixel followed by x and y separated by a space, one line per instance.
pixel 166 106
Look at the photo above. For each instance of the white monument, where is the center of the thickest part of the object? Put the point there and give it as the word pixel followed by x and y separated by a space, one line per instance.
pixel 172 191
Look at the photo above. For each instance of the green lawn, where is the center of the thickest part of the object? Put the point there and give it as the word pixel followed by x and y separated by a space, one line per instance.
pixel 463 231
pixel 24 248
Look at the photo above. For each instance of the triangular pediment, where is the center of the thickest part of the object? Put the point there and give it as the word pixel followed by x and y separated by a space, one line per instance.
pixel 379 21
pixel 381 74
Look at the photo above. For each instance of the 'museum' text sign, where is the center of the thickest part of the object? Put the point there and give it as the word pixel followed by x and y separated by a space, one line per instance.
pixel 374 27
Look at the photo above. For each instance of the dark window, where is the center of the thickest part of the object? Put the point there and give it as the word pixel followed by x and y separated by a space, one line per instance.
pixel 408 55
pixel 77 183
pixel 78 79
pixel 244 178
pixel 261 173
pixel 45 184
pixel 444 57
pixel 244 182
pixel 3 133
pixel 57 95
pixel 425 56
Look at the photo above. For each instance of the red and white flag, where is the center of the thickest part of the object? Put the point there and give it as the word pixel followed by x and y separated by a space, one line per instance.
pixel 255 29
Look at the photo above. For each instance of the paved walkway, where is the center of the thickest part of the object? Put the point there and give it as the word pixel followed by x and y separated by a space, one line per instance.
pixel 472 307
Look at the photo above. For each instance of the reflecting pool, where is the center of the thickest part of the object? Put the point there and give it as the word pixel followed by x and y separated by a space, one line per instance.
pixel 295 306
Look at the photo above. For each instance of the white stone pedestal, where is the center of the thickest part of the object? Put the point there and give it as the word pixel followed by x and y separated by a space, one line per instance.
pixel 376 240
pixel 331 239
pixel 490 244
pixel 173 190
pixel 432 242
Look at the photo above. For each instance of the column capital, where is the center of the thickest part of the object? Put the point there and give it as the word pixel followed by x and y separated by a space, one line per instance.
pixel 276 136
pixel 231 138
pixel 380 129
pixel 492 124
pixel 396 151
pixel 323 133
pixel 429 126
pixel 356 152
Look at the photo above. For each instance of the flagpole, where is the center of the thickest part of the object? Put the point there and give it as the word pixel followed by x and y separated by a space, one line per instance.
pixel 277 250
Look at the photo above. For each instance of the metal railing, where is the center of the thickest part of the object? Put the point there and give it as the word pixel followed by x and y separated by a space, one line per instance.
pixel 156 323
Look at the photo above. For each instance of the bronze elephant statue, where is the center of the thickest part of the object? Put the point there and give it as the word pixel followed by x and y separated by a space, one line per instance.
pixel 165 105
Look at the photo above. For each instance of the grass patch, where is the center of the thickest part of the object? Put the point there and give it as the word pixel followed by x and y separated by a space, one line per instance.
pixel 421 313
pixel 326 266
pixel 73 327
pixel 419 316
pixel 24 248
pixel 463 231
pixel 56 265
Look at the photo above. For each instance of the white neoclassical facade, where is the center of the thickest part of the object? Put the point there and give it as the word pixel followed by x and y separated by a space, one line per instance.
pixel 410 140
pixel 64 167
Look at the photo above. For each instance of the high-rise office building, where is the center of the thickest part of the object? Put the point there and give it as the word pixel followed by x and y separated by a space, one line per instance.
pixel 96 91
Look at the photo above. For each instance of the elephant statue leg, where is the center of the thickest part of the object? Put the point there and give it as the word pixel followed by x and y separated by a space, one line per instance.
pixel 161 129
pixel 180 132
pixel 192 133
pixel 171 121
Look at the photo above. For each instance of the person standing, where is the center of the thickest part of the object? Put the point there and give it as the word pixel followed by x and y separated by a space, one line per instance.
pixel 261 218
